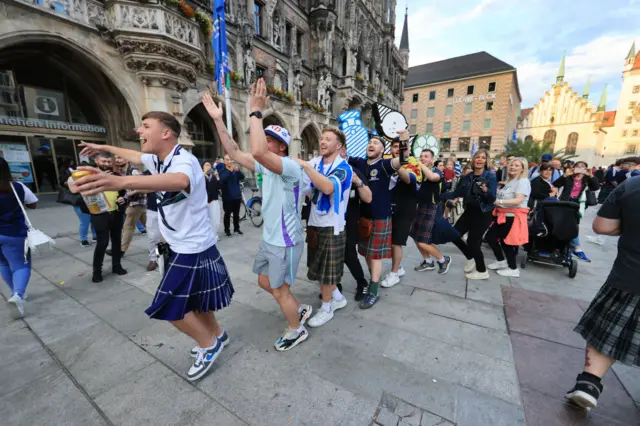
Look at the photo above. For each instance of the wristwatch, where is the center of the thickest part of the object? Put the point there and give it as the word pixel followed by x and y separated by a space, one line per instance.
pixel 257 114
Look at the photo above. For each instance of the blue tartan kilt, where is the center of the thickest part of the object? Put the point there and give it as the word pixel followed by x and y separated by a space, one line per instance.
pixel 442 232
pixel 192 282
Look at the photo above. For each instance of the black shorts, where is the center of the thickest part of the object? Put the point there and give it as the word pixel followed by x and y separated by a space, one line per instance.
pixel 401 222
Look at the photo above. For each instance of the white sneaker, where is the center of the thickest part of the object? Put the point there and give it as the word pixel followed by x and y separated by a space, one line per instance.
pixel 508 272
pixel 320 318
pixel 501 264
pixel 401 271
pixel 17 306
pixel 338 304
pixel 390 280
pixel 469 265
pixel 475 275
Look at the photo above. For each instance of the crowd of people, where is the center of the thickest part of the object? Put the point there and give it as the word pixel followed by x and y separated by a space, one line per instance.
pixel 365 207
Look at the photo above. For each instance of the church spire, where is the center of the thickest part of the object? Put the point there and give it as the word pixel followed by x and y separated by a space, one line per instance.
pixel 560 76
pixel 585 94
pixel 602 106
pixel 632 52
pixel 404 40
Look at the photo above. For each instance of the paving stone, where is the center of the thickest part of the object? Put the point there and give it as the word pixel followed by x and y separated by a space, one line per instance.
pixel 629 376
pixel 387 418
pixel 403 409
pixel 461 309
pixel 389 401
pixel 554 377
pixel 544 327
pixel 487 291
pixel 100 357
pixel 87 292
pixel 125 310
pixel 543 305
pixel 481 372
pixel 474 409
pixel 429 419
pixel 487 341
pixel 52 400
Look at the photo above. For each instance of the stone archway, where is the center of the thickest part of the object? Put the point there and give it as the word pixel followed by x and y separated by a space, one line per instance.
pixel 204 135
pixel 274 117
pixel 310 140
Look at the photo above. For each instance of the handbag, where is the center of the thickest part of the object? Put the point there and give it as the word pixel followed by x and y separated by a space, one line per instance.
pixel 69 198
pixel 591 199
pixel 365 228
pixel 35 237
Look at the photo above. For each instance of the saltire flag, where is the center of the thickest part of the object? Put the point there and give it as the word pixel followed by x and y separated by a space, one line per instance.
pixel 219 44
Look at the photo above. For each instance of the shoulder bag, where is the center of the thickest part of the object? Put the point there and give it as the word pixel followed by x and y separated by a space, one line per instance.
pixel 35 237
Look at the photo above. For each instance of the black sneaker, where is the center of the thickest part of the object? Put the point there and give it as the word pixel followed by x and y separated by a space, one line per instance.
pixel 97 277
pixel 305 313
pixel 361 292
pixel 444 266
pixel 369 300
pixel 144 231
pixel 239 232
pixel 425 266
pixel 586 391
pixel 119 270
pixel 291 339
pixel 85 243
pixel 108 252
pixel 204 362
pixel 227 233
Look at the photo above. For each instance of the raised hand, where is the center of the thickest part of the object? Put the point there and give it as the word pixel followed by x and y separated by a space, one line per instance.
pixel 91 149
pixel 403 135
pixel 258 95
pixel 97 182
pixel 214 111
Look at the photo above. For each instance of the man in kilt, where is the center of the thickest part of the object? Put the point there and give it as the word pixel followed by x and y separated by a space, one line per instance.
pixel 196 282
pixel 375 240
pixel 422 230
pixel 328 181
pixel 611 324
pixel 280 250
pixel 404 186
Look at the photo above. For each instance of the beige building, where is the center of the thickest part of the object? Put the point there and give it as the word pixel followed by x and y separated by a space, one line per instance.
pixel 572 122
pixel 73 70
pixel 464 101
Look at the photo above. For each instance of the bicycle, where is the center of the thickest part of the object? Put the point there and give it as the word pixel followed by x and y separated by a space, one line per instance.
pixel 251 207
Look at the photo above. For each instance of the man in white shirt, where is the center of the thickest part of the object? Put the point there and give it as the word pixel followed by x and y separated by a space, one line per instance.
pixel 328 181
pixel 282 242
pixel 196 281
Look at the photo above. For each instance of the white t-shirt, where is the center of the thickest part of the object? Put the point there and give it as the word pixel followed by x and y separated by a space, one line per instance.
pixel 183 216
pixel 29 197
pixel 513 187
pixel 343 180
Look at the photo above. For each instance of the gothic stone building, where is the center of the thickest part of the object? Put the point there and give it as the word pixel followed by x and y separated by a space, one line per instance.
pixel 73 70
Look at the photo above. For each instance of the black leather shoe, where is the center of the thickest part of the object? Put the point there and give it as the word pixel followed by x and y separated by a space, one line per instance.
pixel 119 270
pixel 97 277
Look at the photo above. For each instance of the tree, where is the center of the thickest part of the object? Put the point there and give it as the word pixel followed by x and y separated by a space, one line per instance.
pixel 534 150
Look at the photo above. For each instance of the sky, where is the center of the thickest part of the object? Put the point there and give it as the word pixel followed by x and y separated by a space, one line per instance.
pixel 530 35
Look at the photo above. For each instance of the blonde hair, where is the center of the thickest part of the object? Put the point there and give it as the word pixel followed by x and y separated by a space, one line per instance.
pixel 525 167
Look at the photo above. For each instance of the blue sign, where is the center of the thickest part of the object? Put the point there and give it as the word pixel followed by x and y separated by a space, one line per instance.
pixel 357 135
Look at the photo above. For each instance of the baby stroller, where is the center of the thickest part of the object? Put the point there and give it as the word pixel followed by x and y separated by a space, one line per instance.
pixel 552 226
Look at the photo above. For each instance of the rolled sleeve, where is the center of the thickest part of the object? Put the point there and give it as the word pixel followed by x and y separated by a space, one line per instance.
pixel 150 162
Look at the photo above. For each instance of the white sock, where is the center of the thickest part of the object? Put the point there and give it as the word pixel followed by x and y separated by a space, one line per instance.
pixel 326 307
pixel 221 334
pixel 298 330
pixel 215 342
pixel 441 260
pixel 337 295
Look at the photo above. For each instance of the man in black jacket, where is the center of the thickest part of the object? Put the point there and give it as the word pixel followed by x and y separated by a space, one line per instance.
pixel 231 176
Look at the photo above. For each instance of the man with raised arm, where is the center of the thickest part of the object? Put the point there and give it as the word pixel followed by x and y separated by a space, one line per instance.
pixel 282 242
pixel 196 281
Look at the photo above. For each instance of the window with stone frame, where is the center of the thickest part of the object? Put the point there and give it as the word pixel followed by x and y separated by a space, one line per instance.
pixel 431 112
pixel 258 11
pixel 414 97
pixel 261 72
pixel 470 90
pixel 627 120
pixel 412 129
pixel 464 144
pixel 572 144
pixel 414 113
pixel 300 43
pixel 632 104
pixel 429 128
pixel 635 132
pixel 631 149
pixel 636 89
pixel 484 142
pixel 288 29
pixel 492 87
pixel 550 136
pixel 487 124
pixel 625 133
pixel 466 125
pixel 468 108
pixel 432 95
pixel 448 111
pixel 445 144
pixel 446 127
pixel 489 106
pixel 450 93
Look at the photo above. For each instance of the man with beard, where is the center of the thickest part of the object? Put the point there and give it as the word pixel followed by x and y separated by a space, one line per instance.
pixel 108 224
pixel 404 184
pixel 375 222
pixel 328 181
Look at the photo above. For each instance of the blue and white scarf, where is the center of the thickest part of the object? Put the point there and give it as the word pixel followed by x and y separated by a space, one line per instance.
pixel 337 172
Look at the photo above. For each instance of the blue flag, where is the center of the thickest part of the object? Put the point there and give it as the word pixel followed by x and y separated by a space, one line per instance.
pixel 473 147
pixel 219 42
pixel 514 136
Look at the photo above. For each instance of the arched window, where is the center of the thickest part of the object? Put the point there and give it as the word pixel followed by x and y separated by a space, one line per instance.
pixel 572 143
pixel 528 139
pixel 550 136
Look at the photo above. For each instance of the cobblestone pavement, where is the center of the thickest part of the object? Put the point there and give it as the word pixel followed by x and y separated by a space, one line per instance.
pixel 436 350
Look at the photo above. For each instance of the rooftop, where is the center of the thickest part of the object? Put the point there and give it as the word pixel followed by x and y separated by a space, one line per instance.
pixel 609 119
pixel 467 66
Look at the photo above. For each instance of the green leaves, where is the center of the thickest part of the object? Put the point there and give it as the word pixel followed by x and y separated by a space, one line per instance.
pixel 534 150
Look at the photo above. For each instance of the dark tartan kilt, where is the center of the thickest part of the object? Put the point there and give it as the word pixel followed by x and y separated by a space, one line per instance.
pixel 326 260
pixel 192 282
pixel 421 230
pixel 611 325
pixel 378 245
pixel 443 231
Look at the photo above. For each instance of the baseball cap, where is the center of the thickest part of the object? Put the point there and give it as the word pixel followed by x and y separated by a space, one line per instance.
pixel 278 133
pixel 547 157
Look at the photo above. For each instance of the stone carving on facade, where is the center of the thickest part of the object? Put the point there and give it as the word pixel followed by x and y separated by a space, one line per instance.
pixel 181 29
pixel 296 64
pixel 249 68
pixel 376 82
pixel 324 90
pixel 276 30
pixel 138 17
pixel 297 87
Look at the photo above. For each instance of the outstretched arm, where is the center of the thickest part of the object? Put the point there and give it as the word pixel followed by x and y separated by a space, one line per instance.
pixel 100 181
pixel 320 181
pixel 259 149
pixel 230 146
pixel 92 149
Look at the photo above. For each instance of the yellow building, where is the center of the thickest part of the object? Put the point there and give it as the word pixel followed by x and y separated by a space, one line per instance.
pixel 571 121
